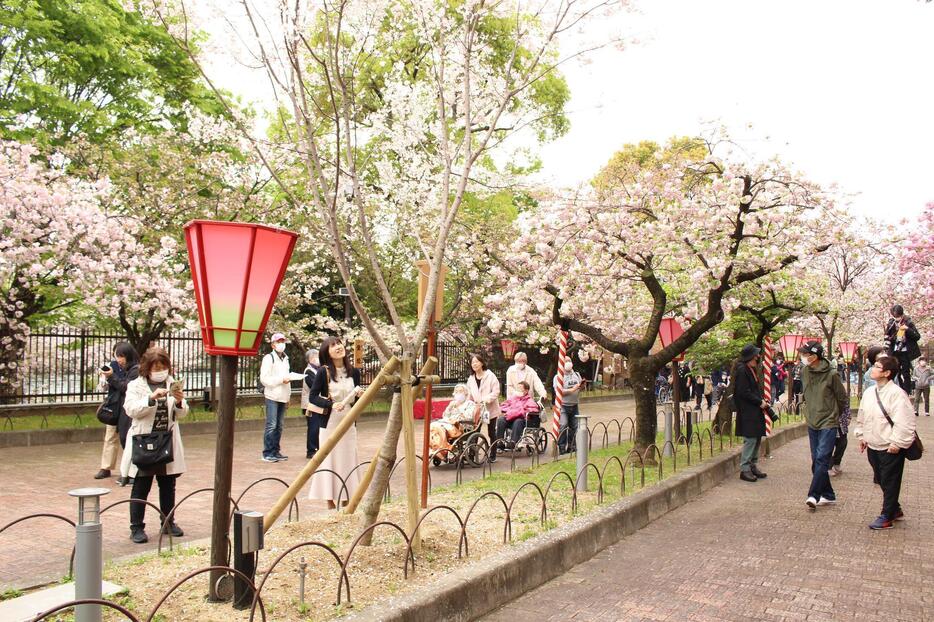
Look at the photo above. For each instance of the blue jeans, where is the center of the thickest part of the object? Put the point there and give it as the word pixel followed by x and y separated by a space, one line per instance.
pixel 275 414
pixel 822 444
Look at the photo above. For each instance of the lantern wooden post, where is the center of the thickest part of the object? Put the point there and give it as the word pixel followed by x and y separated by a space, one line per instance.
pixel 223 469
pixel 668 331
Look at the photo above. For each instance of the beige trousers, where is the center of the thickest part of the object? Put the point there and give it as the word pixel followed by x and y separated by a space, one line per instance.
pixel 111 448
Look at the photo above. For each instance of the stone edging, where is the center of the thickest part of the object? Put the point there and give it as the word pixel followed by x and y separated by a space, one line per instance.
pixel 481 587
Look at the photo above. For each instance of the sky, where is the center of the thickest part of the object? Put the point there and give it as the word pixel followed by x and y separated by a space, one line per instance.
pixel 839 89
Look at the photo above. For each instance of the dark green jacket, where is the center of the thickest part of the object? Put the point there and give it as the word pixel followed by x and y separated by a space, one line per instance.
pixel 824 395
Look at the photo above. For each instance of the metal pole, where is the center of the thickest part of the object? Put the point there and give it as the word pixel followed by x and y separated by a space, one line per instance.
pixel 676 396
pixel 89 558
pixel 583 447
pixel 426 428
pixel 223 470
pixel 668 424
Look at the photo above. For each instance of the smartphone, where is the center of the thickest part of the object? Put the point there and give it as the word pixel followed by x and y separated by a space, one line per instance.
pixel 176 386
pixel 105 367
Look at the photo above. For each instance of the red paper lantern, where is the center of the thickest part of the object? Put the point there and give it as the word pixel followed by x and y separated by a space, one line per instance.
pixel 789 345
pixel 237 269
pixel 668 332
pixel 509 348
pixel 848 350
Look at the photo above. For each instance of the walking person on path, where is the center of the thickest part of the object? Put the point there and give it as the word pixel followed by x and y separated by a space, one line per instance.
pixel 885 429
pixel 923 387
pixel 335 389
pixel 276 377
pixel 750 418
pixel 483 390
pixel 312 419
pixel 155 403
pixel 123 369
pixel 824 400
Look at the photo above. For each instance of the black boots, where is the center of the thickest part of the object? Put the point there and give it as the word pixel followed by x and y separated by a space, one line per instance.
pixel 138 535
pixel 174 530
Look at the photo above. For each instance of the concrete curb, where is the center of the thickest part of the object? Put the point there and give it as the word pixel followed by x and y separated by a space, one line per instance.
pixel 57 436
pixel 482 587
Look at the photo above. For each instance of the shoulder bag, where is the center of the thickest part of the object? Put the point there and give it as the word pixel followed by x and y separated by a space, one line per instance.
pixel 324 413
pixel 916 449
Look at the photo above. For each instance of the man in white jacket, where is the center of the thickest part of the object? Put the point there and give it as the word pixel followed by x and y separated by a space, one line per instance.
pixel 276 377
pixel 885 428
pixel 521 372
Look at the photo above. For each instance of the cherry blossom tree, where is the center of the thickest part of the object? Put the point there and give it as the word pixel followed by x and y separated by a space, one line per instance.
pixel 392 114
pixel 916 261
pixel 676 235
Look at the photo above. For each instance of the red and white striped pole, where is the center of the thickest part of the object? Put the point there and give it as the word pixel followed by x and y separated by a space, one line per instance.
pixel 559 385
pixel 767 381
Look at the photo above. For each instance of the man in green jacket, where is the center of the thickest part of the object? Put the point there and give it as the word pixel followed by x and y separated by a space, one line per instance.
pixel 824 399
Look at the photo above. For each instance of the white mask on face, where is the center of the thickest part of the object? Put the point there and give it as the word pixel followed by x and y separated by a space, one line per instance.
pixel 804 360
pixel 460 397
pixel 279 347
pixel 520 366
pixel 159 376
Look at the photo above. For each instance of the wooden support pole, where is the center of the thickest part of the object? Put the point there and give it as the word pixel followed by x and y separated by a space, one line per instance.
pixel 357 497
pixel 408 430
pixel 223 470
pixel 305 474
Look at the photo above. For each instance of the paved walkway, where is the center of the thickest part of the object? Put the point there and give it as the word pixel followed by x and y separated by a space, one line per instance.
pixel 754 552
pixel 37 479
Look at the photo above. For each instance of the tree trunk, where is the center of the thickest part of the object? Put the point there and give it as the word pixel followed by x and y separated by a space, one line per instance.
pixel 724 419
pixel 642 378
pixel 387 460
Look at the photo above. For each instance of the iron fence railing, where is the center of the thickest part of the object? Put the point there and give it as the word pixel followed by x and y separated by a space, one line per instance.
pixel 61 365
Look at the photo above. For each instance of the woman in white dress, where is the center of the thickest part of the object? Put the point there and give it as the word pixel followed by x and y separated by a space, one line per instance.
pixel 335 389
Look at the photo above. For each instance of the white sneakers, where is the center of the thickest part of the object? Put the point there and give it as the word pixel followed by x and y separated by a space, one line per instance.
pixel 824 501
pixel 811 502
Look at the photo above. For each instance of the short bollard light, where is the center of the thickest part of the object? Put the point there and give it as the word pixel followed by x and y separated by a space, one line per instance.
pixel 89 559
pixel 583 447
pixel 248 541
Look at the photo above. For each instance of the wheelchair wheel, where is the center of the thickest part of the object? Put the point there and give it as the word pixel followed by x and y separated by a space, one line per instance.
pixel 477 451
pixel 541 443
pixel 435 460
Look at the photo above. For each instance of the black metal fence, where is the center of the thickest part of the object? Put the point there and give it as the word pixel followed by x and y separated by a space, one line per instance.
pixel 61 365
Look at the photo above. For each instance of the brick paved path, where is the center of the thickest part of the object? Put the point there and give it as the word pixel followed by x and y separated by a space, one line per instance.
pixel 754 552
pixel 37 479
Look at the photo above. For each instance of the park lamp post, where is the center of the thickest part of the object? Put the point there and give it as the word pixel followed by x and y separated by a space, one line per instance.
pixel 424 271
pixel 668 332
pixel 789 345
pixel 848 352
pixel 236 269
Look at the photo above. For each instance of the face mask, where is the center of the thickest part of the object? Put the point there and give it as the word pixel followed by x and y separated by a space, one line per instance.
pixel 520 366
pixel 460 397
pixel 804 360
pixel 159 376
pixel 279 347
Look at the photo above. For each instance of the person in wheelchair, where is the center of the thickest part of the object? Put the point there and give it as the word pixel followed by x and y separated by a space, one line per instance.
pixel 515 410
pixel 450 427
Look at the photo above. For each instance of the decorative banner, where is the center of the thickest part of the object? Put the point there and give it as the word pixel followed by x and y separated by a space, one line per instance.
pixel 767 381
pixel 559 386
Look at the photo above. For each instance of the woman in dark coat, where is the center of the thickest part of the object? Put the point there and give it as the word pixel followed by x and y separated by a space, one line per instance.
pixel 750 419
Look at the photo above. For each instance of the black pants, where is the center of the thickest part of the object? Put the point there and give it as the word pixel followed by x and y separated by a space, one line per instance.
pixel 312 434
pixel 491 433
pixel 904 372
pixel 887 471
pixel 141 487
pixel 838 448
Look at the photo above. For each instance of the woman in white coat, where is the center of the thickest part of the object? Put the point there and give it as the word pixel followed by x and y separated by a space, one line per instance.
pixel 154 404
pixel 483 389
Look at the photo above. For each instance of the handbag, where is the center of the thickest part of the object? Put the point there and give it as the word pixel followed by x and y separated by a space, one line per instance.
pixel 914 451
pixel 152 449
pixel 106 415
pixel 323 412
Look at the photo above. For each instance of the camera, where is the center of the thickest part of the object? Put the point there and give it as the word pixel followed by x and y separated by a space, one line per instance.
pixel 771 413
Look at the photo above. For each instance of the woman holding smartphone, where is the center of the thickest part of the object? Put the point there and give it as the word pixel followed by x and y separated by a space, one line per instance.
pixel 155 402
pixel 115 377
pixel 335 389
